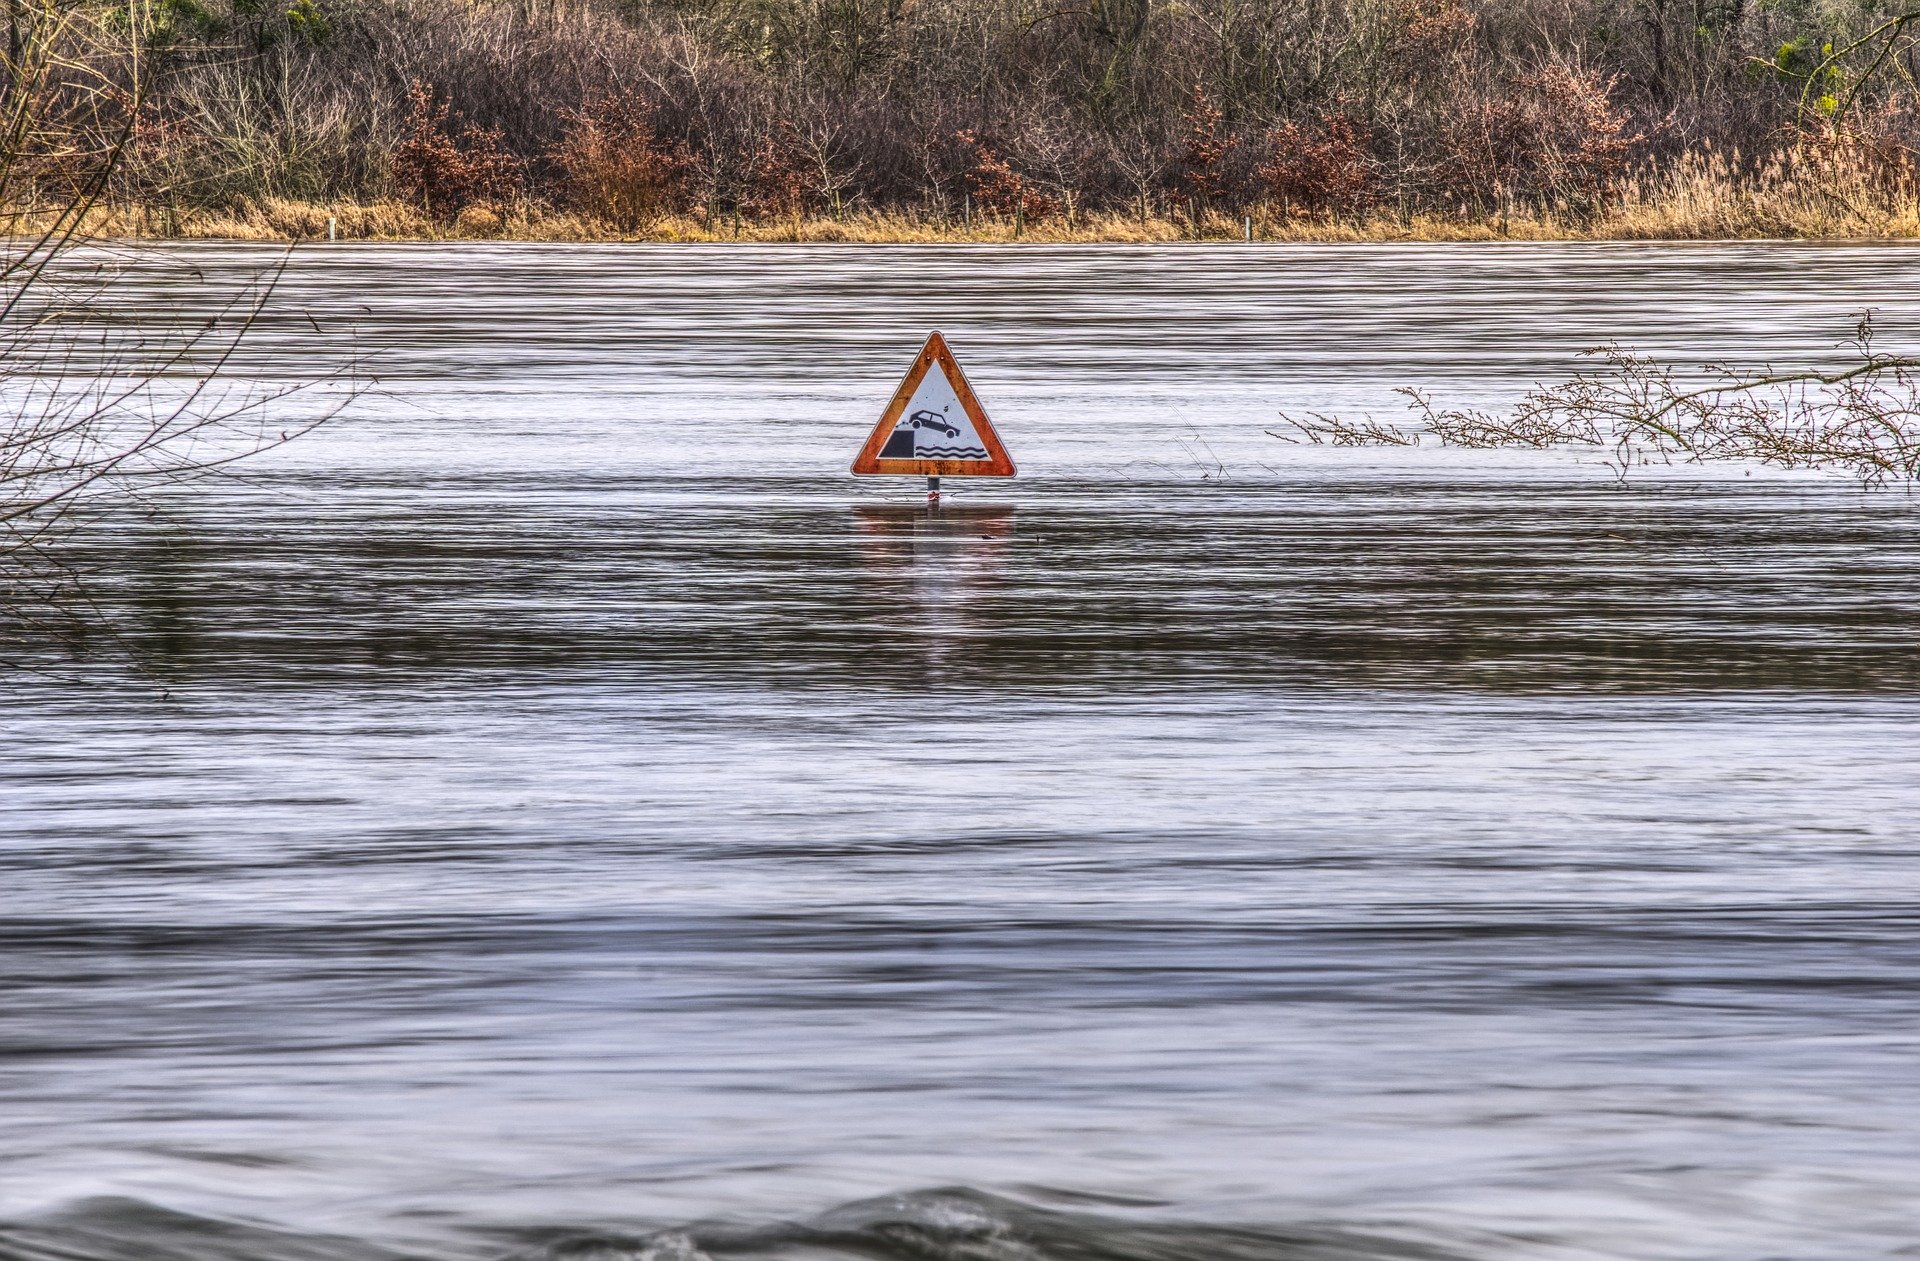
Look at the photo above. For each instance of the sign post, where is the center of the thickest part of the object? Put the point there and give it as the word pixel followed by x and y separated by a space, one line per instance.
pixel 934 427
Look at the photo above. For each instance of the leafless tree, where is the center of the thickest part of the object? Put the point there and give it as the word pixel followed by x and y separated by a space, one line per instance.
pixel 94 399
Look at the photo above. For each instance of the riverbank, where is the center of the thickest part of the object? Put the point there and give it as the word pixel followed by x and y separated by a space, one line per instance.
pixel 1698 201
pixel 391 221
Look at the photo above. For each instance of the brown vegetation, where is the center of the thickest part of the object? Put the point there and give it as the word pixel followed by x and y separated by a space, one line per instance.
pixel 1325 167
pixel 613 168
pixel 448 164
pixel 1328 118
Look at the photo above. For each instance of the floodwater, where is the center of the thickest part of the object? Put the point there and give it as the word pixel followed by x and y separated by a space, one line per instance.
pixel 555 812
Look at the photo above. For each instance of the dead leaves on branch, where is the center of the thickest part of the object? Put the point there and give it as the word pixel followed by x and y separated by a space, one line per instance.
pixel 445 162
pixel 998 189
pixel 1325 165
pixel 615 167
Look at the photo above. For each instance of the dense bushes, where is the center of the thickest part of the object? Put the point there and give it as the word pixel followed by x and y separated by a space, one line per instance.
pixel 631 109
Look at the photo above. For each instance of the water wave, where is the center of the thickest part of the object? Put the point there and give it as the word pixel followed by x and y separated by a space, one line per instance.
pixel 951 1224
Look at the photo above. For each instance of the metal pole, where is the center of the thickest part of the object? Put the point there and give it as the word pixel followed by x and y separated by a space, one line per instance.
pixel 933 492
pixel 1248 224
pixel 333 228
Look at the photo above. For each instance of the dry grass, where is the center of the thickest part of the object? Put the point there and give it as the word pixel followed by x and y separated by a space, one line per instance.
pixel 1703 196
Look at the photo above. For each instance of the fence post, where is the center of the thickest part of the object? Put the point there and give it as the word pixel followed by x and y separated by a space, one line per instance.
pixel 333 228
pixel 966 212
pixel 1247 225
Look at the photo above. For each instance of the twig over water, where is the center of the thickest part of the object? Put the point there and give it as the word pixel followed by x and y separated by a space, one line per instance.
pixel 1863 419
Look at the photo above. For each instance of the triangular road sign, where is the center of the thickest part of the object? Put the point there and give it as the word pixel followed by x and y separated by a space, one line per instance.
pixel 935 426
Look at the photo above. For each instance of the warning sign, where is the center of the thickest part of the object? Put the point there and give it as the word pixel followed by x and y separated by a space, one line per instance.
pixel 935 426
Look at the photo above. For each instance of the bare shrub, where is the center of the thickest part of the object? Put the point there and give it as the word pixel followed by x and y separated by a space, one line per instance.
pixel 1554 138
pixel 824 143
pixel 1863 420
pixel 1582 139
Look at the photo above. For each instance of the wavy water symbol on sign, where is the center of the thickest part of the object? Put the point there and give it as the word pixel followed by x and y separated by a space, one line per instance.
pixel 920 437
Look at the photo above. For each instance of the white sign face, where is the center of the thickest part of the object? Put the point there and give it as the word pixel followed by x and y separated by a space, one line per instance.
pixel 934 425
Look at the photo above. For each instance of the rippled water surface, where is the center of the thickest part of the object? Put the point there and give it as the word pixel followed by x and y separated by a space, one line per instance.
pixel 554 811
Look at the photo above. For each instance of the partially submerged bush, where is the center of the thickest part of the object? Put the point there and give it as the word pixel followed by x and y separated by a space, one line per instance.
pixel 105 389
pixel 1863 420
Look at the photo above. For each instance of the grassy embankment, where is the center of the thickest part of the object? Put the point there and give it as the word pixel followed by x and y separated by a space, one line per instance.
pixel 899 120
pixel 1700 201
pixel 1700 198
